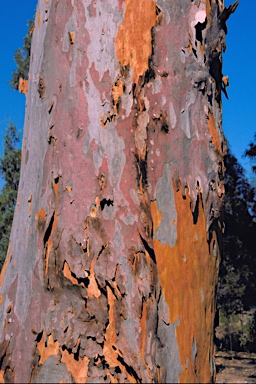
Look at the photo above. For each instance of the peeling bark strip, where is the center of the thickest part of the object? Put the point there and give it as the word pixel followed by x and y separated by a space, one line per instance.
pixel 112 265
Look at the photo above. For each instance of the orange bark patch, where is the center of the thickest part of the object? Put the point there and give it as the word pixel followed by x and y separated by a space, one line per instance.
pixel 208 9
pixel 157 215
pixel 188 275
pixel 48 349
pixel 3 271
pixel 5 265
pixel 41 214
pixel 67 274
pixel 117 91
pixel 93 289
pixel 41 219
pixel 213 131
pixel 111 354
pixel 1 300
pixel 18 202
pixel 72 36
pixel 110 337
pixel 69 188
pixel 38 18
pixel 55 187
pixel 1 376
pixel 23 86
pixel 143 330
pixel 133 41
pixel 77 368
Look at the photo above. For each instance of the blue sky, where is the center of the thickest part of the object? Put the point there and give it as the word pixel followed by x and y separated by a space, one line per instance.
pixel 239 64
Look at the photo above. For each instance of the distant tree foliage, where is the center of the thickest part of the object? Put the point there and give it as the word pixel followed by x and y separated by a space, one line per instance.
pixel 10 172
pixel 22 58
pixel 237 278
pixel 251 153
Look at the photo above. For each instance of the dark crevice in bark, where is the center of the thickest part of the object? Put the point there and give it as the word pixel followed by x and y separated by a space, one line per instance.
pixel 81 280
pixel 142 302
pixel 51 107
pixel 215 69
pixel 56 180
pixel 194 52
pixel 217 228
pixel 48 230
pixel 150 73
pixel 195 213
pixel 41 87
pixel 101 289
pixel 103 362
pixel 79 133
pixel 64 347
pixel 150 251
pixel 51 139
pixel 112 289
pixel 142 171
pixel 221 171
pixel 162 120
pixel 83 246
pixel 158 11
pixel 225 14
pixel 105 202
pixel 39 337
pixel 2 359
pixel 129 369
pixel 102 249
pixel 165 127
pixel 199 28
pixel 76 354
pixel 118 370
pixel 125 71
pixel 84 281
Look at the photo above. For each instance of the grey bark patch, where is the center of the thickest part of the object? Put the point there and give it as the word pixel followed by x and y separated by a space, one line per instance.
pixel 168 355
pixel 101 50
pixel 129 219
pixel 194 350
pixel 108 140
pixel 173 119
pixel 118 239
pixel 167 231
pixel 185 114
pixel 52 371
pixel 109 212
pixel 202 294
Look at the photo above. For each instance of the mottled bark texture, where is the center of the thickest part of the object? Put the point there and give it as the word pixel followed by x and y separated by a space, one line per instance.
pixel 113 259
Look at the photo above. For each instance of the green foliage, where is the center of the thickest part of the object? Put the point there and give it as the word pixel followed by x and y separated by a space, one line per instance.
pixel 237 276
pixel 251 153
pixel 237 282
pixel 10 172
pixel 22 59
pixel 237 331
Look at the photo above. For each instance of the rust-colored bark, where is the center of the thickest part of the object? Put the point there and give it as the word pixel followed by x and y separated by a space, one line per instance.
pixel 112 265
pixel 23 86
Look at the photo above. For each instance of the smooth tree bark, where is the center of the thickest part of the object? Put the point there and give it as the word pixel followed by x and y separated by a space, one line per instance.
pixel 113 259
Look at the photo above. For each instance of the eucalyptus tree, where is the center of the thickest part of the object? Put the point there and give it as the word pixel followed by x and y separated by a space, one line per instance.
pixel 113 259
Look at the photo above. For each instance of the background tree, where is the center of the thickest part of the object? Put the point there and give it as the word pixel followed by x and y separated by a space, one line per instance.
pixel 22 58
pixel 237 278
pixel 112 266
pixel 10 172
pixel 251 153
pixel 10 162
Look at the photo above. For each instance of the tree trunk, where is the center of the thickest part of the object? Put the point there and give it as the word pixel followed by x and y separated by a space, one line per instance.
pixel 113 259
